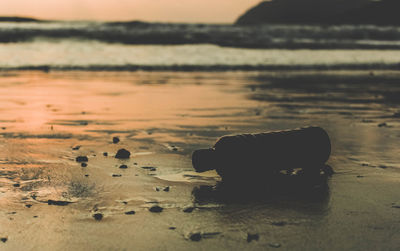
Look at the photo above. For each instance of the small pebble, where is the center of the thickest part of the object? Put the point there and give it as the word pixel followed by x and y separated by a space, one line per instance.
pixel 166 189
pixel 123 154
pixel 98 216
pixel 156 209
pixel 86 175
pixel 76 148
pixel 252 237
pixel 382 166
pixel 83 164
pixel 105 154
pixel 4 239
pixel 130 213
pixel 279 223
pixel 188 209
pixel 16 185
pixel 115 140
pixel 382 125
pixel 195 237
pixel 274 245
pixel 28 205
pixel 395 206
pixel 82 159
pixel 35 216
pixel 117 175
pixel 172 228
pixel 360 176
pixel 123 166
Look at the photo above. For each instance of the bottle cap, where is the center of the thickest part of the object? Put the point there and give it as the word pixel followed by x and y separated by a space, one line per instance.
pixel 204 160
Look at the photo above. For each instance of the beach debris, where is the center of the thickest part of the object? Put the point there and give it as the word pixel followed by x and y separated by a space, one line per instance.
pixel 123 154
pixel 75 148
pixel 274 245
pixel 83 164
pixel 150 168
pixel 98 216
pixel 265 154
pixel 252 237
pixel 105 154
pixel 123 166
pixel 82 159
pixel 156 209
pixel 130 212
pixel 58 203
pixel 115 140
pixel 195 236
pixel 4 239
pixel 188 209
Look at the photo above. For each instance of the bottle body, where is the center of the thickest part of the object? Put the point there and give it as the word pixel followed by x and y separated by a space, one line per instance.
pixel 257 155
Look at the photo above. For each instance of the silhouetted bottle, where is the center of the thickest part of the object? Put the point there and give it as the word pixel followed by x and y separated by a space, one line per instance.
pixel 254 156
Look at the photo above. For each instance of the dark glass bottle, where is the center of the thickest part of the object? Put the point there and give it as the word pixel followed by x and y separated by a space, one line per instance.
pixel 254 156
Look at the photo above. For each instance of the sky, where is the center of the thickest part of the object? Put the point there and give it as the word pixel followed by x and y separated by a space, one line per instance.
pixel 202 11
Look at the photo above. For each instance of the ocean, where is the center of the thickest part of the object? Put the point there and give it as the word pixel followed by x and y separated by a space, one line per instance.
pixel 131 46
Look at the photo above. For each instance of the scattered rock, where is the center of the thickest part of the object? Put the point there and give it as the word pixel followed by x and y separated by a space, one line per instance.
pixel 172 228
pixel 395 206
pixel 360 176
pixel 166 189
pixel 156 209
pixel 86 175
pixel 383 166
pixel 364 164
pixel 4 239
pixel 123 154
pixel 16 185
pixel 252 237
pixel 58 202
pixel 105 154
pixel 28 205
pixel 275 245
pixel 383 125
pixel 279 223
pixel 82 159
pixel 195 237
pixel 123 166
pixel 35 216
pixel 188 209
pixel 76 148
pixel 83 164
pixel 150 168
pixel 396 115
pixel 117 175
pixel 130 213
pixel 98 216
pixel 115 140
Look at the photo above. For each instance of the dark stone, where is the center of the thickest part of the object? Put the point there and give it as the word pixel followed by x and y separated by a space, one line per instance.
pixel 123 166
pixel 188 209
pixel 382 166
pixel 123 154
pixel 4 239
pixel 117 175
pixel 274 245
pixel 82 159
pixel 115 140
pixel 382 125
pixel 86 175
pixel 35 216
pixel 166 189
pixel 195 237
pixel 252 237
pixel 58 202
pixel 76 148
pixel 395 206
pixel 16 185
pixel 83 164
pixel 172 228
pixel 28 205
pixel 105 154
pixel 130 213
pixel 279 223
pixel 98 216
pixel 156 209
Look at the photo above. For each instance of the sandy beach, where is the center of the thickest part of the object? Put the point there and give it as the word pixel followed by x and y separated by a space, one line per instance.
pixel 49 201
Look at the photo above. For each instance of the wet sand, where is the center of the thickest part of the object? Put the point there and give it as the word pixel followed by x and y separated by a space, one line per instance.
pixel 48 200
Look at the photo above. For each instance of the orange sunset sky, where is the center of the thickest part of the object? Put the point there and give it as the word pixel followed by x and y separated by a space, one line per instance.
pixel 210 11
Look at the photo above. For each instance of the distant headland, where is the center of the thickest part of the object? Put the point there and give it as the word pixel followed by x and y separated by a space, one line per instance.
pixel 19 19
pixel 376 12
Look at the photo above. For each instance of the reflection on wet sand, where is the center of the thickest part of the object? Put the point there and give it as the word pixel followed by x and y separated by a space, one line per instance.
pixel 161 118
